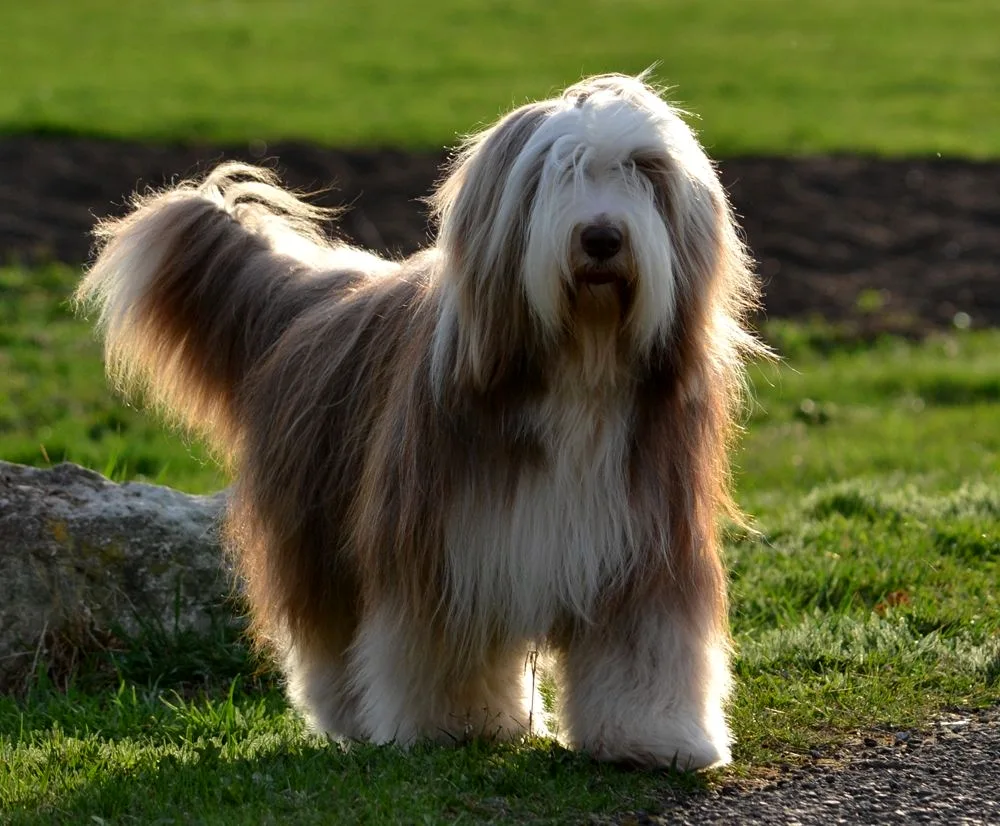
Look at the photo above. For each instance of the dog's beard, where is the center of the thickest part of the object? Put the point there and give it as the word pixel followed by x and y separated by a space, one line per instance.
pixel 599 297
pixel 601 293
pixel 596 349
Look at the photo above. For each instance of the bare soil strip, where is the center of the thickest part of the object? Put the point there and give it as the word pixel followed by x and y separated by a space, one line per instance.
pixel 877 245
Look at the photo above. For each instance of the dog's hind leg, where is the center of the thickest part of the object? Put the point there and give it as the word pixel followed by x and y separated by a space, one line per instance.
pixel 318 687
pixel 411 688
pixel 500 699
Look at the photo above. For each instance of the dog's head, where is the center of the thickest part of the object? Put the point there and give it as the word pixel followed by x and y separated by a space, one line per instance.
pixel 597 208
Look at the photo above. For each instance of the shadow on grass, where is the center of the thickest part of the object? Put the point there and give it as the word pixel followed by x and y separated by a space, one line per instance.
pixel 175 728
pixel 268 777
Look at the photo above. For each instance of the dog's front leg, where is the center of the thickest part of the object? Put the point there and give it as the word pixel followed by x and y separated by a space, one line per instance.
pixel 647 685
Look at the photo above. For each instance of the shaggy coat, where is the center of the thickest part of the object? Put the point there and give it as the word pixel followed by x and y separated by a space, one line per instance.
pixel 515 440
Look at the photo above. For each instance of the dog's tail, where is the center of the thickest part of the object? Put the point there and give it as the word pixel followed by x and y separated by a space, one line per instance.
pixel 198 282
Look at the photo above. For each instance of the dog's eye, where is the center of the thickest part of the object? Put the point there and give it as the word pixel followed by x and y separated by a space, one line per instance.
pixel 652 168
pixel 655 174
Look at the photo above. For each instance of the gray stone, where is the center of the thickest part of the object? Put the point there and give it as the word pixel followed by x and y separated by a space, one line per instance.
pixel 80 555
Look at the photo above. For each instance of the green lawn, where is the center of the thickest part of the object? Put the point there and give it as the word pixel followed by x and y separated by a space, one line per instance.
pixel 771 76
pixel 55 400
pixel 868 601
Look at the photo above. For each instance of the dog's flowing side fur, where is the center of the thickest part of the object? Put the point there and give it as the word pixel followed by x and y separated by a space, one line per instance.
pixel 515 438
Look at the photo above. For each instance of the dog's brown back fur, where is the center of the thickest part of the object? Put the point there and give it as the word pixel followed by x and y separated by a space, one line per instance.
pixel 315 420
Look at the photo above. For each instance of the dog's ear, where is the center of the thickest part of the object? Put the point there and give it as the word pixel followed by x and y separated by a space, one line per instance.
pixel 712 272
pixel 483 208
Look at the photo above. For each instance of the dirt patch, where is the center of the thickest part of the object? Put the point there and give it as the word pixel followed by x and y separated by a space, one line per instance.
pixel 905 245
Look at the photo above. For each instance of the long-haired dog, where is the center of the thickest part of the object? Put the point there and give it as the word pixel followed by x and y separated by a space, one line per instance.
pixel 516 438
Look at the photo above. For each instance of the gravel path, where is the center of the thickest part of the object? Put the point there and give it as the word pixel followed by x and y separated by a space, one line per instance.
pixel 949 774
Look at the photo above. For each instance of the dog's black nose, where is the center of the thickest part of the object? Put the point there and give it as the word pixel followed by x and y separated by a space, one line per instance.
pixel 601 241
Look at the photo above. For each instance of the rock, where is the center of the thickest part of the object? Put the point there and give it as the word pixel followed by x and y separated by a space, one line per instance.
pixel 81 556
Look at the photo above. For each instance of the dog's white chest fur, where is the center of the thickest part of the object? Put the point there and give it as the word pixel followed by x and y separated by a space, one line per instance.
pixel 518 560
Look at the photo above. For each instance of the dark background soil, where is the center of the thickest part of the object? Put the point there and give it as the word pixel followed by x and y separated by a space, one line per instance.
pixel 901 245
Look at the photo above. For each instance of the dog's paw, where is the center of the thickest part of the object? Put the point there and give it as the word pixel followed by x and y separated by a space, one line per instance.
pixel 681 748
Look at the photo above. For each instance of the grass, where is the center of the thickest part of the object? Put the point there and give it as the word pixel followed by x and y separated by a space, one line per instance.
pixel 866 602
pixel 54 398
pixel 891 410
pixel 244 759
pixel 881 76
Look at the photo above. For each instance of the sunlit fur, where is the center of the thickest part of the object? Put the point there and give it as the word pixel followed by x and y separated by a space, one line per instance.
pixel 507 443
